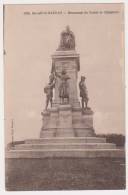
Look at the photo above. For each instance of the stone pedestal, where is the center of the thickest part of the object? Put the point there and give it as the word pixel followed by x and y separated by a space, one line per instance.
pixel 68 60
pixel 65 128
pixel 66 121
pixel 50 123
pixel 83 123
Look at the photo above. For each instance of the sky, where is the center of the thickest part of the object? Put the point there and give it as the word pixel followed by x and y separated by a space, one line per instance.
pixel 31 39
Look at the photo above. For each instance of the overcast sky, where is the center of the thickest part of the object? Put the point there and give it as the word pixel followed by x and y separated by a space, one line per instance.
pixel 29 42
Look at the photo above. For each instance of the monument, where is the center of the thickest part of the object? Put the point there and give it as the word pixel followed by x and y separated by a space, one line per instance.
pixel 67 125
pixel 66 117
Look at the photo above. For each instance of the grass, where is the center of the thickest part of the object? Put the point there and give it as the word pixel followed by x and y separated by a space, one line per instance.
pixel 65 174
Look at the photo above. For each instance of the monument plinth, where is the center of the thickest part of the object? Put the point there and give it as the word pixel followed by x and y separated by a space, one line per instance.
pixel 66 121
pixel 69 61
pixel 67 129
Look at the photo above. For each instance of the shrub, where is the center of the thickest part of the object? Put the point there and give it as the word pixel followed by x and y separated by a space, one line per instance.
pixel 117 139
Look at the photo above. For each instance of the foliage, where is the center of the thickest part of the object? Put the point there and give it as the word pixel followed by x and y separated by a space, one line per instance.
pixel 118 139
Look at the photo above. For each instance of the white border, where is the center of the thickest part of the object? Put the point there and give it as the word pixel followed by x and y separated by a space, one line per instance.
pixel 60 1
pixel 2 164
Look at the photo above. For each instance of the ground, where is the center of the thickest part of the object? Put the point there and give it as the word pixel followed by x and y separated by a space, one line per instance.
pixel 65 174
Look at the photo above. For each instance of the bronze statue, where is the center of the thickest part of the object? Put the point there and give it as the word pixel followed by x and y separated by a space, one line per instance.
pixel 64 87
pixel 83 93
pixel 67 41
pixel 48 90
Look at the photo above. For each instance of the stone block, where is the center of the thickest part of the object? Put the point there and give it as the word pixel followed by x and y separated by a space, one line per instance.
pixel 65 146
pixel 65 132
pixel 84 132
pixel 66 140
pixel 46 119
pixel 65 117
pixel 53 122
pixel 72 153
pixel 48 133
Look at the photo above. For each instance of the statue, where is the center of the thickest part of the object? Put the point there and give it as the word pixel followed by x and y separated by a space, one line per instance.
pixel 48 90
pixel 64 87
pixel 83 93
pixel 67 41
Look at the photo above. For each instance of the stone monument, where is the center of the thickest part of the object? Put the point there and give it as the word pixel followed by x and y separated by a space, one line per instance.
pixel 66 118
pixel 67 129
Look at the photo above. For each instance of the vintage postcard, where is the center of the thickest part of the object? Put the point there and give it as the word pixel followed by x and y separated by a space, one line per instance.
pixel 64 97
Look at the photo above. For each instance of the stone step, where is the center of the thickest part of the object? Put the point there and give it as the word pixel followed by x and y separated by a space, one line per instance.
pixel 73 153
pixel 65 146
pixel 66 140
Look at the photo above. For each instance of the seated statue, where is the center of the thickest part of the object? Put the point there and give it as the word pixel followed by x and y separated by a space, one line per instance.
pixel 67 41
pixel 83 93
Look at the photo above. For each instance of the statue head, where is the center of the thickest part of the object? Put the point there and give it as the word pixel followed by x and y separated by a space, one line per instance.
pixel 63 72
pixel 83 78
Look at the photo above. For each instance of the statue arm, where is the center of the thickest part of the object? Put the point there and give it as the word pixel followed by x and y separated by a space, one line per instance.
pixel 57 75
pixel 52 85
pixel 80 85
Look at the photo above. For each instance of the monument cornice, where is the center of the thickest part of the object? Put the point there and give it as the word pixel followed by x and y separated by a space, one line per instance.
pixel 65 55
pixel 61 54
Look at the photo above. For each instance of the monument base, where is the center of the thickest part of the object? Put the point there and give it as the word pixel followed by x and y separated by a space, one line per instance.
pixel 82 147
pixel 66 121
pixel 66 132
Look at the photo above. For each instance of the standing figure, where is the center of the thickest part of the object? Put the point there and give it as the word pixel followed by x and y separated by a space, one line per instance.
pixel 83 93
pixel 64 87
pixel 48 90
